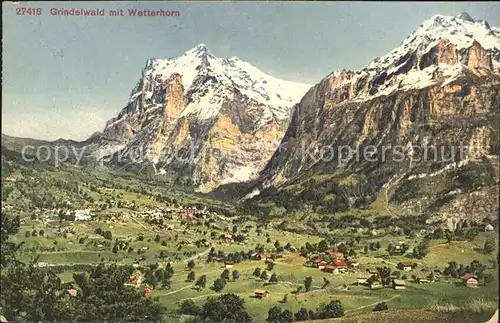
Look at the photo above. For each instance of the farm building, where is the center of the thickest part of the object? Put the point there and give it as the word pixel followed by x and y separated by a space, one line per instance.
pixel 398 284
pixel 405 265
pixel 228 264
pixel 260 293
pixel 470 281
pixel 489 227
pixel 375 284
pixel 135 280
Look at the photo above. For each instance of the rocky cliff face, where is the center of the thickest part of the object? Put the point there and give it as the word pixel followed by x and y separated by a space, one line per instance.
pixel 209 120
pixel 417 128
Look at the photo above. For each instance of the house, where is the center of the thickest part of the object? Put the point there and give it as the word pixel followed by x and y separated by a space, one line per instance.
pixel 72 292
pixel 260 293
pixel 489 227
pixel 375 284
pixel 148 290
pixel 135 280
pixel 354 263
pixel 3 319
pixel 372 271
pixel 341 264
pixel 187 213
pixel 228 264
pixel 398 284
pixel 470 280
pixel 331 269
pixel 265 256
pixel 422 279
pixel 10 179
pixel 405 265
pixel 335 255
pixel 82 215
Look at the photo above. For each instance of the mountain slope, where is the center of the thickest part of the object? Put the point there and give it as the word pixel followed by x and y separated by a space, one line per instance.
pixel 210 120
pixel 360 137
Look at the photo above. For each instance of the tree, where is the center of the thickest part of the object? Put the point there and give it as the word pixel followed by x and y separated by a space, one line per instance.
pixel 331 310
pixel 201 282
pixel 225 274
pixel 108 235
pixel 489 246
pixel 219 284
pixel 323 246
pixel 366 249
pixel 263 275
pixel 308 283
pixel 380 307
pixel 189 307
pixel 225 308
pixel 157 238
pixel 191 264
pixel 270 266
pixel 256 272
pixel 236 275
pixel 273 279
pixel 488 278
pixel 385 274
pixel 302 315
pixel 115 249
pixel 191 276
pixel 41 233
pixel 326 282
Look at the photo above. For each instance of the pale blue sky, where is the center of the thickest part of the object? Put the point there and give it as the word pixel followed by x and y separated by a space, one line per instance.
pixel 65 76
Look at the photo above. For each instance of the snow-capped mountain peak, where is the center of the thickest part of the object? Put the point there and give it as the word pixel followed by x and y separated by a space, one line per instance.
pixel 200 69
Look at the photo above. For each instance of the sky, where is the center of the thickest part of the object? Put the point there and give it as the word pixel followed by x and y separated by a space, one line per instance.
pixel 64 77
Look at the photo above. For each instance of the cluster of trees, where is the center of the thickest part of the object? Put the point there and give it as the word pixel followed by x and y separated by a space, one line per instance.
pixel 325 311
pixel 475 268
pixel 224 278
pixel 225 308
pixel 105 234
pixel 30 293
pixel 421 250
pixel 264 275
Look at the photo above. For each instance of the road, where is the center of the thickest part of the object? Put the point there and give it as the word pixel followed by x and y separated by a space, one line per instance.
pixel 175 291
pixel 199 254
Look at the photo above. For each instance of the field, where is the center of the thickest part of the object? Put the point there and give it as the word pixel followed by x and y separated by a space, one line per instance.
pixel 61 242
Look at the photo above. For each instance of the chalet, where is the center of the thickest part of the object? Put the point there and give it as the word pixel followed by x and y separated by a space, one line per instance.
pixel 265 256
pixel 361 280
pixel 405 265
pixel 331 269
pixel 398 284
pixel 187 213
pixel 375 284
pixel 135 280
pixel 228 264
pixel 148 290
pixel 321 264
pixel 372 271
pixel 340 264
pixel 3 319
pixel 489 227
pixel 469 280
pixel 228 238
pixel 259 293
